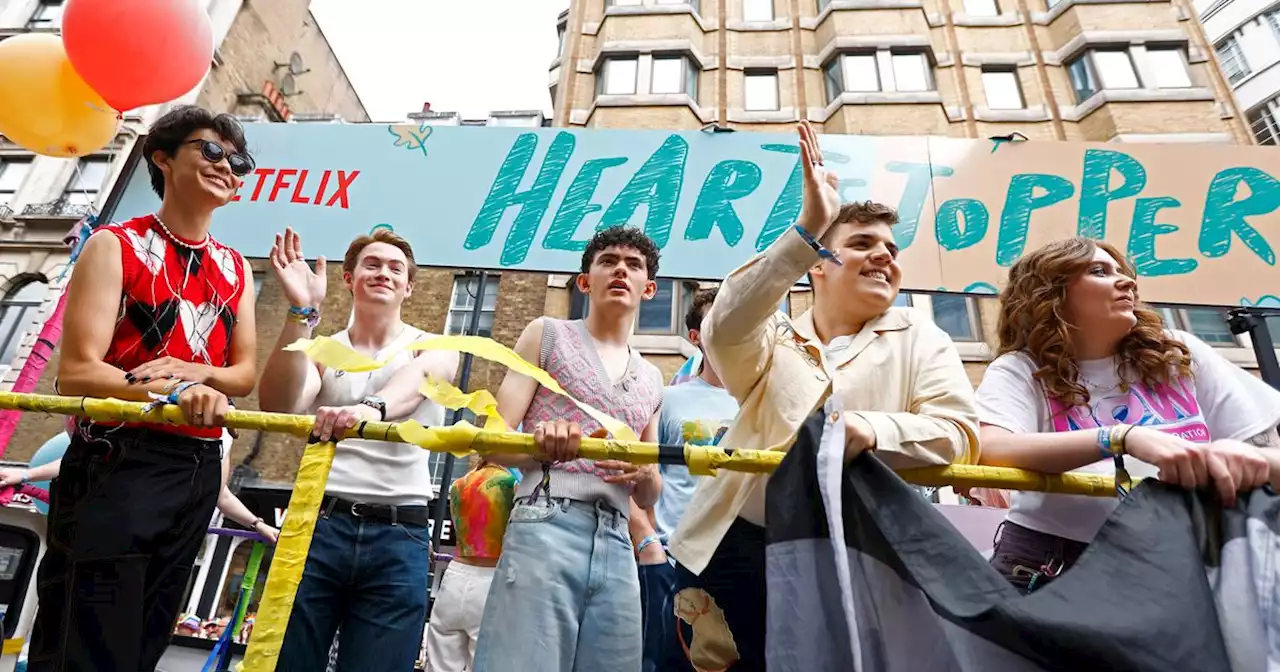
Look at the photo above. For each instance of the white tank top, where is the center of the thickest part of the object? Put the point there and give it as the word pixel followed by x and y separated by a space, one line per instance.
pixel 379 472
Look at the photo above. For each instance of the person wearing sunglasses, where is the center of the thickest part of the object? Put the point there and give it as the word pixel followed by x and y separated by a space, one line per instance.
pixel 131 504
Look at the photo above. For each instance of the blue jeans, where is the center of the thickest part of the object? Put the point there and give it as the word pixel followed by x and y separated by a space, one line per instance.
pixel 369 577
pixel 565 596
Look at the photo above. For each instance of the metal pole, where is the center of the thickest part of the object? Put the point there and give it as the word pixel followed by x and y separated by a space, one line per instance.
pixel 473 328
pixel 1254 322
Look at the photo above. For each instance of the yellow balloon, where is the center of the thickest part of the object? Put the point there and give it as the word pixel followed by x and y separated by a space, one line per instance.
pixel 44 105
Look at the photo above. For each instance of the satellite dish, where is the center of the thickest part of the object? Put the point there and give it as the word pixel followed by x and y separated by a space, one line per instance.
pixel 296 66
pixel 289 85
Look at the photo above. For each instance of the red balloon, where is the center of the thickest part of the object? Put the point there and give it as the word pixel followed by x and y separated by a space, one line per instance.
pixel 138 52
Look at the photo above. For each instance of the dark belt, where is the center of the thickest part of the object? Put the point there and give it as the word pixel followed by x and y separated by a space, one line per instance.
pixel 416 514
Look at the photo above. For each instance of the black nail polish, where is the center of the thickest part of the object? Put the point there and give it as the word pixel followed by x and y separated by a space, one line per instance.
pixel 129 377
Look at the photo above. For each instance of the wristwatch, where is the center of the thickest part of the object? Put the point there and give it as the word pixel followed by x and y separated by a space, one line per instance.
pixel 377 403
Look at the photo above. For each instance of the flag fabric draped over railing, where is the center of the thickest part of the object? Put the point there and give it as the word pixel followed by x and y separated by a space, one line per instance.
pixel 864 575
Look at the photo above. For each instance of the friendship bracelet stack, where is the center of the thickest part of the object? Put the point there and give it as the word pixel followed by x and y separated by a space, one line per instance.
pixel 1111 445
pixel 305 315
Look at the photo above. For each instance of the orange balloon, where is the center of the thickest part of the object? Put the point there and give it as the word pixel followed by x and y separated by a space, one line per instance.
pixel 44 105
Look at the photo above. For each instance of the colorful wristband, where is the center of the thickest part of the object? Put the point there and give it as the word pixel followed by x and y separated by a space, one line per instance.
pixel 178 390
pixel 651 539
pixel 817 246
pixel 306 315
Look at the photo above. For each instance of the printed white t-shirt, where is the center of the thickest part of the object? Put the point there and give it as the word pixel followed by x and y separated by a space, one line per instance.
pixel 1222 402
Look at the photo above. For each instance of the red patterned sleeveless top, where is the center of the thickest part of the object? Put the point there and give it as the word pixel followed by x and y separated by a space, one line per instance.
pixel 179 300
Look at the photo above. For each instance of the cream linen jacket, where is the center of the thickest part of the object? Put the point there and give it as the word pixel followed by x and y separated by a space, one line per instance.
pixel 901 373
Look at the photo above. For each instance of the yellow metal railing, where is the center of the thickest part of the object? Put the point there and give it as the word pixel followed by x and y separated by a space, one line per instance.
pixel 290 556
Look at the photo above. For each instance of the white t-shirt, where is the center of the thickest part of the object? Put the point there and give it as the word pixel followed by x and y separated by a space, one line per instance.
pixel 1223 402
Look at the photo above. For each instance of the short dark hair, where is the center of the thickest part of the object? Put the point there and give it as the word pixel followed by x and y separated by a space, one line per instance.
pixel 861 212
pixel 171 130
pixel 622 236
pixel 702 300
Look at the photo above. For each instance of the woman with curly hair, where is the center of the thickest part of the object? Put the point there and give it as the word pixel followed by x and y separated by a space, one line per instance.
pixel 1086 372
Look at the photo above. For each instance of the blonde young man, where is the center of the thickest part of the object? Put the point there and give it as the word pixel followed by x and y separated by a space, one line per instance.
pixel 367 570
pixel 904 390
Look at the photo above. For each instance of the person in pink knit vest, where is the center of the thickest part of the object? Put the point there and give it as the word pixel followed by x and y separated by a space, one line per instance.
pixel 566 595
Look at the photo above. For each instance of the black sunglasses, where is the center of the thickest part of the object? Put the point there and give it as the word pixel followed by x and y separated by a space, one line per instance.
pixel 241 163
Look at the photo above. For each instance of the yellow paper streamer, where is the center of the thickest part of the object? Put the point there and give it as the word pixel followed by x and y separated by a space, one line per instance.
pixel 334 355
pixel 481 402
pixel 289 559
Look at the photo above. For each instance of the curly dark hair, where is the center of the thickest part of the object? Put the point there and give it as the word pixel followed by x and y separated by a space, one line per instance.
pixel 698 307
pixel 173 129
pixel 1031 320
pixel 622 236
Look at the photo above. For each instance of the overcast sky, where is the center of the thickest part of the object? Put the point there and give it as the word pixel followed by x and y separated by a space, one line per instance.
pixel 468 56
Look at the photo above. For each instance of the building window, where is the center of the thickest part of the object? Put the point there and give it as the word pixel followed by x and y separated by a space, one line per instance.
pixel 513 121
pixel 981 7
pixel 17 310
pixel 957 315
pixel 560 30
pixel 624 3
pixel 1272 18
pixel 1273 325
pixel 854 73
pixel 911 72
pixel 1002 89
pixel 761 90
pixel 1098 69
pixel 48 15
pixel 465 288
pixel 664 313
pixel 12 173
pixel 1264 121
pixel 902 300
pixel 1234 64
pixel 1206 324
pixel 673 74
pixel 1168 68
pixel 258 278
pixel 619 77
pixel 88 180
pixel 757 10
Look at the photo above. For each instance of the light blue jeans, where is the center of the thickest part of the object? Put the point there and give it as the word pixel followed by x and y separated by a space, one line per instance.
pixel 566 594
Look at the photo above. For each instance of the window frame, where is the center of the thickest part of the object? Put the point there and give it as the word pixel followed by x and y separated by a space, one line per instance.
pixel 1179 317
pixel 995 5
pixel 1235 65
pixel 5 162
pixel 1265 117
pixel 11 340
pixel 836 74
pixel 679 304
pixel 1017 86
pixel 71 194
pixel 746 15
pixel 687 77
pixel 37 22
pixel 777 89
pixel 602 75
pixel 926 70
pixel 464 280
pixel 1087 56
pixel 1178 52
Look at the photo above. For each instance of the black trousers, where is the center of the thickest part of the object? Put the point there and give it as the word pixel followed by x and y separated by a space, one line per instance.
pixel 1030 559
pixel 128 513
pixel 724 607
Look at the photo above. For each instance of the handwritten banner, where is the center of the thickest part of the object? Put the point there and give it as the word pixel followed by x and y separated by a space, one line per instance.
pixel 1200 222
